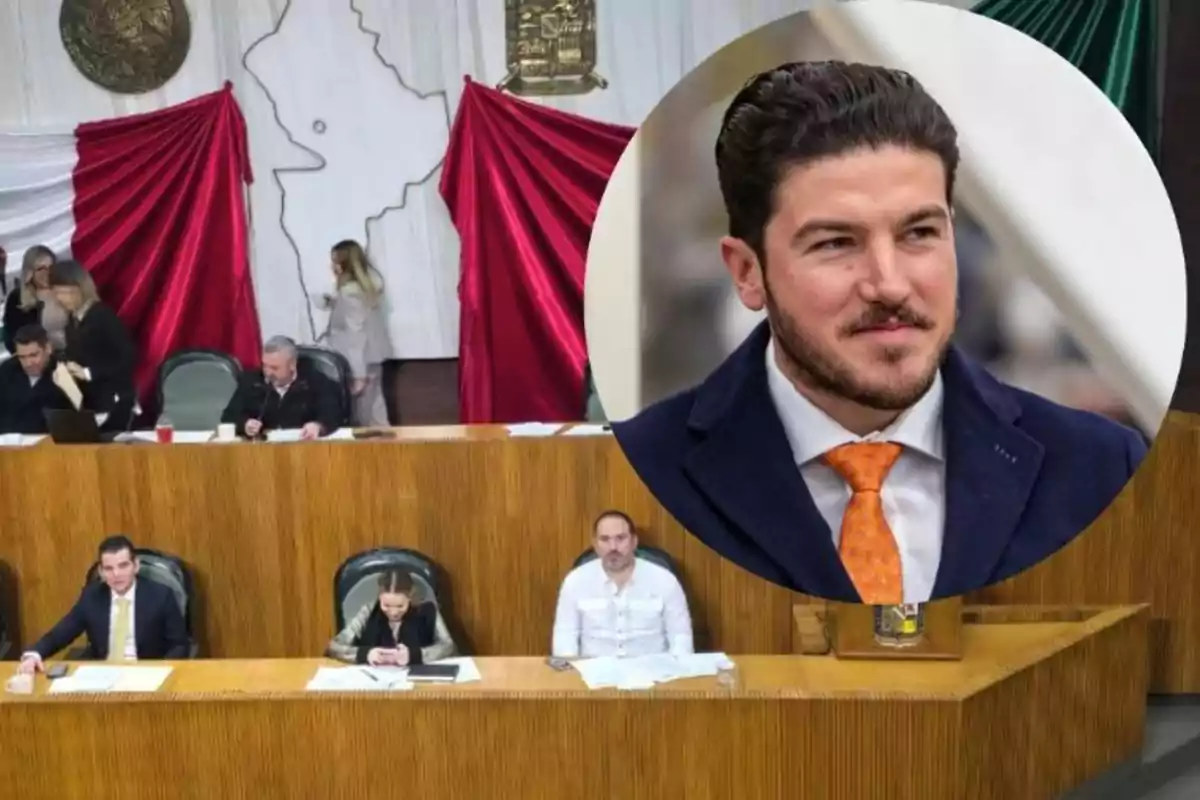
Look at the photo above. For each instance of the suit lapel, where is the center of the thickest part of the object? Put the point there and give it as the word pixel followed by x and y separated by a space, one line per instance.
pixel 743 465
pixel 991 468
pixel 103 623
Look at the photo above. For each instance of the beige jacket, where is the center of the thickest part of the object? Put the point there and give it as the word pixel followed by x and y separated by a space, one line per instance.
pixel 357 329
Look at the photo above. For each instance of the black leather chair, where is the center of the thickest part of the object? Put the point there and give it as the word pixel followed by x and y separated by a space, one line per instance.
pixel 354 586
pixel 332 365
pixel 194 386
pixel 5 641
pixel 644 551
pixel 169 571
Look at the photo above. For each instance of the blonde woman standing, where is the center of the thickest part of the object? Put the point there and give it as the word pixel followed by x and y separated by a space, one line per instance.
pixel 32 301
pixel 357 329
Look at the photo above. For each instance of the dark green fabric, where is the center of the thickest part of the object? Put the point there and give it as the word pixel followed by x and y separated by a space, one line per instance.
pixel 1113 42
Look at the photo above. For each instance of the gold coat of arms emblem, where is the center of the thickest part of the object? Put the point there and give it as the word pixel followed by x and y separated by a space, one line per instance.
pixel 126 46
pixel 900 625
pixel 551 46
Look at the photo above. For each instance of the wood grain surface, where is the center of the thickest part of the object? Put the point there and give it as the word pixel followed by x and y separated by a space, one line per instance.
pixel 265 526
pixel 1031 710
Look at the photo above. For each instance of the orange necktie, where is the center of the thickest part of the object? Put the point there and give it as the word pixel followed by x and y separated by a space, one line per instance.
pixel 867 546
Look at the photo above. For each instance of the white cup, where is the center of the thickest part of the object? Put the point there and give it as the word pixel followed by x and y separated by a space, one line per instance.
pixel 226 432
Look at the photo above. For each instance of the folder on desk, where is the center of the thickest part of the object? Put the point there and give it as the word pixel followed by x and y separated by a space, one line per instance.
pixel 433 673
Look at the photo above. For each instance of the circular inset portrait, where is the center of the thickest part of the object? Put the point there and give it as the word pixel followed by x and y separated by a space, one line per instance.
pixel 889 301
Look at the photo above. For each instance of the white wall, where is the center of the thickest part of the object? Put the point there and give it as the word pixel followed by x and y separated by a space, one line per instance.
pixel 1050 168
pixel 613 307
pixel 380 137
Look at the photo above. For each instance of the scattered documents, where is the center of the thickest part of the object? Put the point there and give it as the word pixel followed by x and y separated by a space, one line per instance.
pixel 359 679
pixel 644 672
pixel 293 435
pixel 177 437
pixel 589 430
pixel 383 679
pixel 95 680
pixel 534 429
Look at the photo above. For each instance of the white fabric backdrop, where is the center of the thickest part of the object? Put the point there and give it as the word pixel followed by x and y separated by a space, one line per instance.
pixel 317 63
pixel 36 193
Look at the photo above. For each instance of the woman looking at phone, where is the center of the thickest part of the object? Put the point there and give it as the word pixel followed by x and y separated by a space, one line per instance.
pixel 394 630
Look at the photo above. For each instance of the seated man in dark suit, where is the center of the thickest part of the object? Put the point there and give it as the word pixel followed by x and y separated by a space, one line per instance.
pixel 284 395
pixel 27 383
pixel 847 449
pixel 125 619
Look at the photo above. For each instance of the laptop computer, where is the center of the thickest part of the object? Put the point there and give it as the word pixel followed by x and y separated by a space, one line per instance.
pixel 67 426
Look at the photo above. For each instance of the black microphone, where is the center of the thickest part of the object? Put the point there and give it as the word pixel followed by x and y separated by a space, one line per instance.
pixel 265 388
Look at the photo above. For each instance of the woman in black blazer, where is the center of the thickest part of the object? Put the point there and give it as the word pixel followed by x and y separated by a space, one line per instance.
pixel 100 354
pixel 393 630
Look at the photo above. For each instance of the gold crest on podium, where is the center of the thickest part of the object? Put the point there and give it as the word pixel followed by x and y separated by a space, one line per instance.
pixel 901 631
pixel 899 625
pixel 551 47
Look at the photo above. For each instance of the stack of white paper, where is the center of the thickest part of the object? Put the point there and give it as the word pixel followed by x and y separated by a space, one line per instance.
pixel 19 440
pixel 589 430
pixel 177 437
pixel 293 435
pixel 643 672
pixel 96 679
pixel 359 679
pixel 534 429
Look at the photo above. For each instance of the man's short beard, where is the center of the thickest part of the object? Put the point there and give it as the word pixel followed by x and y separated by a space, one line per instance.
pixel 826 373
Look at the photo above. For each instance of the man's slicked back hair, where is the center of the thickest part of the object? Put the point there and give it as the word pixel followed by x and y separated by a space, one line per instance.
pixel 801 112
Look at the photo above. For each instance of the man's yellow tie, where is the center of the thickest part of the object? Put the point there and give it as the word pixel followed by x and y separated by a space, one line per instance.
pixel 120 631
pixel 867 546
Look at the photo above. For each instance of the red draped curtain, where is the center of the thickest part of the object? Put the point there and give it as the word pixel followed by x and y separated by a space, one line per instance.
pixel 160 209
pixel 523 182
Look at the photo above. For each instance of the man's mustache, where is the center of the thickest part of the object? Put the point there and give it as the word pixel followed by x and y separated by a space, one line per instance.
pixel 877 316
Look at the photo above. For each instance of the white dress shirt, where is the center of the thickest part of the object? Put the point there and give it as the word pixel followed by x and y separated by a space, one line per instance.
pixel 131 639
pixel 647 616
pixel 914 491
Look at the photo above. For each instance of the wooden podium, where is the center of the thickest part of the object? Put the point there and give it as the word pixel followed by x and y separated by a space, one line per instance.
pixel 921 631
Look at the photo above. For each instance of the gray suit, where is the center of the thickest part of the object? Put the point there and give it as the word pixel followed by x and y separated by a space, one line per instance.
pixel 358 330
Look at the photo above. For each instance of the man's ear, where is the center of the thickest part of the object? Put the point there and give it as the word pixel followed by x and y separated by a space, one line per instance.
pixel 746 271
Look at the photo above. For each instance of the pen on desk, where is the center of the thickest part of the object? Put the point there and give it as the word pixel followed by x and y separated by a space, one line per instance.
pixel 369 675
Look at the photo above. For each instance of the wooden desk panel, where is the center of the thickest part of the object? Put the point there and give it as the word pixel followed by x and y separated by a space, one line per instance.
pixel 265 526
pixel 990 726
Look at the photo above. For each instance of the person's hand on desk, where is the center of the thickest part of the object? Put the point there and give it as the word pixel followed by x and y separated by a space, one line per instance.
pixel 380 656
pixel 30 663
pixel 388 657
pixel 310 431
pixel 253 428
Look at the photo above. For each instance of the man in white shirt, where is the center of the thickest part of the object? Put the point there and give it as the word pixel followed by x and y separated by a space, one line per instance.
pixel 124 618
pixel 618 604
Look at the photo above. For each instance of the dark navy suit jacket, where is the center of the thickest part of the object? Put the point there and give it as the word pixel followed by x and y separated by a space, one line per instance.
pixel 158 626
pixel 1023 476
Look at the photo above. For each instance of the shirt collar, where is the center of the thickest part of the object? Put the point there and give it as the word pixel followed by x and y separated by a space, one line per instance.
pixel 811 432
pixel 128 595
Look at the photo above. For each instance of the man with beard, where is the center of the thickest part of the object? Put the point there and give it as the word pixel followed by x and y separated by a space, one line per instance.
pixel 846 449
pixel 618 604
